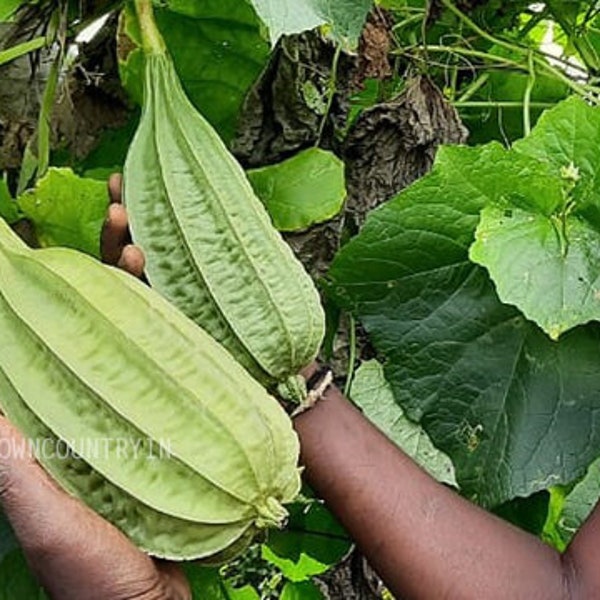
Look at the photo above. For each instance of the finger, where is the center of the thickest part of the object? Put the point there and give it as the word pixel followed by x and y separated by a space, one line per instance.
pixel 74 552
pixel 115 234
pixel 132 260
pixel 115 187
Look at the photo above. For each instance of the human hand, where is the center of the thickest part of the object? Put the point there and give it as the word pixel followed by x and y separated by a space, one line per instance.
pixel 116 240
pixel 74 552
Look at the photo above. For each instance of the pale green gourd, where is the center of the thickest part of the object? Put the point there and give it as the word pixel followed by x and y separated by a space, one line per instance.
pixel 91 354
pixel 210 246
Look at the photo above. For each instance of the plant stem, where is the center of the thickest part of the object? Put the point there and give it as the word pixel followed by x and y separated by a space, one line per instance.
pixel 501 60
pixel 501 104
pixel 332 88
pixel 582 90
pixel 152 40
pixel 527 97
pixel 474 87
pixel 352 355
pixel 21 49
pixel 408 21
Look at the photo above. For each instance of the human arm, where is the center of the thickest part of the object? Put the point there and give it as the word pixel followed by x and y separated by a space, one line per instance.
pixel 423 539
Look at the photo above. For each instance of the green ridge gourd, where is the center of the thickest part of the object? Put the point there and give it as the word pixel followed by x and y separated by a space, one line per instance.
pixel 170 438
pixel 210 246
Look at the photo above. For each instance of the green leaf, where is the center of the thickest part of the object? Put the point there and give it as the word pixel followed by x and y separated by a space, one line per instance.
pixel 542 250
pixel 574 507
pixel 312 543
pixel 551 533
pixel 67 210
pixel 306 189
pixel 514 411
pixel 218 52
pixel 9 210
pixel 208 584
pixel 21 49
pixel 547 266
pixel 7 8
pixel 374 396
pixel 109 155
pixel 8 542
pixel 345 17
pixel 527 513
pixel 286 17
pixel 305 590
pixel 567 138
pixel 16 580
pixel 29 167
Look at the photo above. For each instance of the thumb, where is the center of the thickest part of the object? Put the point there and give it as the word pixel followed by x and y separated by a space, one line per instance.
pixel 18 470
pixel 32 502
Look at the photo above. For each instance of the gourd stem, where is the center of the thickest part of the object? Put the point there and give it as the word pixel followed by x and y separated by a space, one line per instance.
pixel 152 40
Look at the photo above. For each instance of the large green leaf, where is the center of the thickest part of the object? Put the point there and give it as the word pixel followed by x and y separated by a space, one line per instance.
pixel 306 189
pixel 312 543
pixel 543 250
pixel 16 580
pixel 530 514
pixel 218 52
pixel 67 210
pixel 8 542
pixel 547 265
pixel 345 17
pixel 374 396
pixel 514 410
pixel 567 139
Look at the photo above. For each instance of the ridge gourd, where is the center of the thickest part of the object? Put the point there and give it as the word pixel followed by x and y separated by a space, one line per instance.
pixel 91 357
pixel 210 246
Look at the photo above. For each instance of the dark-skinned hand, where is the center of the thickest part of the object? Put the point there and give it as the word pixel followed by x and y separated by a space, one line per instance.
pixel 76 554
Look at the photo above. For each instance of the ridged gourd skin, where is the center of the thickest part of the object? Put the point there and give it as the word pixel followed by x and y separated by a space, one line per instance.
pixel 210 246
pixel 92 356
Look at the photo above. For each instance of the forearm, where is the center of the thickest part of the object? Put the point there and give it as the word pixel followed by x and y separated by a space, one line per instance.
pixel 423 539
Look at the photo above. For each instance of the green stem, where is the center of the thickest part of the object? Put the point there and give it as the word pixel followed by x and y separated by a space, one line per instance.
pixel 501 104
pixel 587 91
pixel 408 21
pixel 352 355
pixel 21 49
pixel 474 87
pixel 332 88
pixel 454 75
pixel 478 30
pixel 527 97
pixel 501 60
pixel 533 21
pixel 152 40
pixel 582 90
pixel 45 116
pixel 49 97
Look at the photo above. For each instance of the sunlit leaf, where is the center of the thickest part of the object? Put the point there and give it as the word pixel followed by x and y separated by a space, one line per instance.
pixel 67 210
